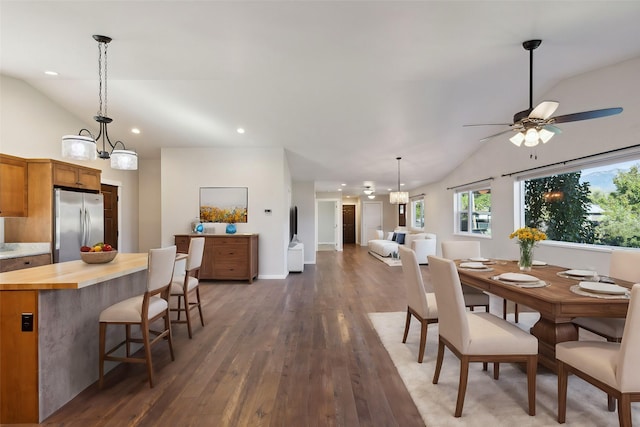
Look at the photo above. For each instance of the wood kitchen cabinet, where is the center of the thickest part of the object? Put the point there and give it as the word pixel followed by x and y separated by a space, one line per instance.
pixel 42 176
pixel 11 264
pixel 74 176
pixel 13 186
pixel 226 256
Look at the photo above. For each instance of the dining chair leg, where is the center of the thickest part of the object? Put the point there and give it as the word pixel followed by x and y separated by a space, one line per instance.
pixel 436 373
pixel 406 326
pixel 423 339
pixel 462 385
pixel 103 335
pixel 504 309
pixel 147 350
pixel 127 339
pixel 199 306
pixel 187 313
pixel 624 410
pixel 496 371
pixel 562 392
pixel 532 367
pixel 179 309
pixel 167 327
pixel 516 313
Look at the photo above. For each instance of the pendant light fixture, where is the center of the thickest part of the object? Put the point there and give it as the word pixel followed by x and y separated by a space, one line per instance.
pixel 81 147
pixel 398 197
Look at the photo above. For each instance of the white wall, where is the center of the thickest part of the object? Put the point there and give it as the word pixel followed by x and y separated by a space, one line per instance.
pixel 31 126
pixel 261 170
pixel 149 176
pixel 609 87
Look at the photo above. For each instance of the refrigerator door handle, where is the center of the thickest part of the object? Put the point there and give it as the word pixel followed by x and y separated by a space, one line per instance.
pixel 83 226
pixel 87 224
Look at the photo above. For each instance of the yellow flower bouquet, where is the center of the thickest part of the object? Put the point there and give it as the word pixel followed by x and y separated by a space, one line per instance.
pixel 527 237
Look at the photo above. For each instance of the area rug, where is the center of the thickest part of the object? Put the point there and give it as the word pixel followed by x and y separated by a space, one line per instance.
pixel 488 402
pixel 391 262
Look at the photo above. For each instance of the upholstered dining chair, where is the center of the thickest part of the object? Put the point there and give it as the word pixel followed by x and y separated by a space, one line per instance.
pixel 185 285
pixel 624 265
pixel 465 249
pixel 142 311
pixel 477 336
pixel 612 367
pixel 420 304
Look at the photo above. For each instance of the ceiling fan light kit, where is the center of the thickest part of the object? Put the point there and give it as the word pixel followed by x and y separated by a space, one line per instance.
pixel 80 147
pixel 535 125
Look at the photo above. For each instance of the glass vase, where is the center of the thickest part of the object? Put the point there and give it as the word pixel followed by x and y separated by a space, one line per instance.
pixel 526 256
pixel 231 228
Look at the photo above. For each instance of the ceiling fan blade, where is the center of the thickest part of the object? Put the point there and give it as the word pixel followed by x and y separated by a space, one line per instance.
pixel 544 110
pixel 489 124
pixel 586 115
pixel 495 134
pixel 552 128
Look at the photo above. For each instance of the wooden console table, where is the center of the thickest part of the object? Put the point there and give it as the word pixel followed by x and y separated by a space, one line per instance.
pixel 226 256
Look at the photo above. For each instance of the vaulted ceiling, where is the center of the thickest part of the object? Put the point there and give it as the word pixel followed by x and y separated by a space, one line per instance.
pixel 344 86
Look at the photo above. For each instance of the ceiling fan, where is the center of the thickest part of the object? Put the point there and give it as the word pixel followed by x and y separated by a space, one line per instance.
pixel 535 125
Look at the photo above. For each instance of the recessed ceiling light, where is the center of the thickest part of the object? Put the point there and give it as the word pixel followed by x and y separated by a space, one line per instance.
pixel 344 185
pixel 339 189
pixel 388 189
pixel 402 184
pixel 51 73
pixel 240 130
pixel 135 130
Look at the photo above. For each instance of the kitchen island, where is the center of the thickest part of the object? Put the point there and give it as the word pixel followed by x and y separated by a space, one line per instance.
pixel 49 330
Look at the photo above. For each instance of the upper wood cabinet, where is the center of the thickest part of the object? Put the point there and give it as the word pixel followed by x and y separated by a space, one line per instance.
pixel 74 176
pixel 43 175
pixel 13 186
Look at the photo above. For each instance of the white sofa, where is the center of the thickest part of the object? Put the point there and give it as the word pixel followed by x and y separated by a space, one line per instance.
pixel 423 244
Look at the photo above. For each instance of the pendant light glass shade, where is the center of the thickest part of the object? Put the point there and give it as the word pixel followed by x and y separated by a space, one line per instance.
pixel 532 137
pixel 124 160
pixel 398 197
pixel 78 147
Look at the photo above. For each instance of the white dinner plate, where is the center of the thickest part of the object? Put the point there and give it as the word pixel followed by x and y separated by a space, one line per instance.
pixel 478 259
pixel 538 263
pixel 518 277
pixel 477 265
pixel 603 288
pixel 581 273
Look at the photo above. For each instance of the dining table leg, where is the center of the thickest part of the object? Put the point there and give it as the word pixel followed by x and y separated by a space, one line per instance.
pixel 550 332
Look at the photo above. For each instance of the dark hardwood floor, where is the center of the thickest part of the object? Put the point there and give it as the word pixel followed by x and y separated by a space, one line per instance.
pixel 293 352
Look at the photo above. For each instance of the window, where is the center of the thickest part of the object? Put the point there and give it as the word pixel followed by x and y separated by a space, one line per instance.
pixel 598 205
pixel 417 213
pixel 473 211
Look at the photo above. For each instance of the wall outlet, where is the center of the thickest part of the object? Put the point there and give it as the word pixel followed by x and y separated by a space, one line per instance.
pixel 27 322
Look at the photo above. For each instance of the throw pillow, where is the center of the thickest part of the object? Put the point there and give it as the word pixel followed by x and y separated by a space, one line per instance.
pixel 400 238
pixel 394 237
pixel 390 235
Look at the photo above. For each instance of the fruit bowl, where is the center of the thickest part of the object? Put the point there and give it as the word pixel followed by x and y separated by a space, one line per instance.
pixel 98 257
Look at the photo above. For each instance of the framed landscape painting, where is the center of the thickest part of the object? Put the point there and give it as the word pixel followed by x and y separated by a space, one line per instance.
pixel 224 204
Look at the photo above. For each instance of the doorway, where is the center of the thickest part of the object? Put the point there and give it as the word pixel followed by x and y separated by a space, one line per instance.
pixel 348 224
pixel 371 221
pixel 328 228
pixel 110 196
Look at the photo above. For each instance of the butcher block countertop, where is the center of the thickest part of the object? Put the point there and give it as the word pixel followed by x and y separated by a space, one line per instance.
pixel 72 274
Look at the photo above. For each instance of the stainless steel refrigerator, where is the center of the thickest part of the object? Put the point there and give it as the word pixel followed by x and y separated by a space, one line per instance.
pixel 78 221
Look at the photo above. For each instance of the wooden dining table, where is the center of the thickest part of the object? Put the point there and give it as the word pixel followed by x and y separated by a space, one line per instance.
pixel 556 302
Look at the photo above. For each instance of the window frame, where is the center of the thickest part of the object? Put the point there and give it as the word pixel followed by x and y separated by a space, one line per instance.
pixel 457 212
pixel 519 199
pixel 412 212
